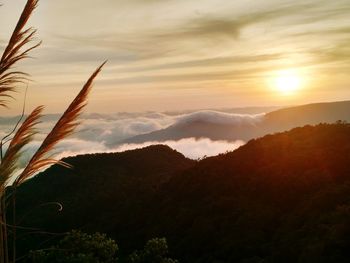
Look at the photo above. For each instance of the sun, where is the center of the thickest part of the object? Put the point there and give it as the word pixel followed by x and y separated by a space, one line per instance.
pixel 287 82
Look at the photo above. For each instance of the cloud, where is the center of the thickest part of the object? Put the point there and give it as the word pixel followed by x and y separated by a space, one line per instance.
pixel 328 31
pixel 165 39
pixel 168 46
pixel 209 62
pixel 190 147
pixel 202 76
pixel 99 132
pixel 110 128
pixel 232 26
pixel 283 20
pixel 150 1
pixel 202 26
pixel 336 53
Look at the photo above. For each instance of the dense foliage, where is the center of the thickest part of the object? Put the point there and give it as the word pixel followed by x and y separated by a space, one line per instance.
pixel 282 198
pixel 155 251
pixel 79 247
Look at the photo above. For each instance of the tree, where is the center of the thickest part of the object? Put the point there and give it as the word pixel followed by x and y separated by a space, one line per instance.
pixel 155 251
pixel 17 49
pixel 78 247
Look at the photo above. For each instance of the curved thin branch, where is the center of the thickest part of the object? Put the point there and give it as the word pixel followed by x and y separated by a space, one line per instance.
pixel 59 205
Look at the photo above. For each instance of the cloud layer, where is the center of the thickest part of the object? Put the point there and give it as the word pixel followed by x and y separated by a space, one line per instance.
pixel 100 132
pixel 190 147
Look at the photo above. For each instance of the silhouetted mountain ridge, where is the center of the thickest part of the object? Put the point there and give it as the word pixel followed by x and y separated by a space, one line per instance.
pixel 281 198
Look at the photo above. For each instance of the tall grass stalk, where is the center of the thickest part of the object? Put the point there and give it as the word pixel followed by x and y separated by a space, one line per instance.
pixel 17 49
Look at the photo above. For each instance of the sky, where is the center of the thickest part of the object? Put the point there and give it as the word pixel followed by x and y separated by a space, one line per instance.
pixel 171 55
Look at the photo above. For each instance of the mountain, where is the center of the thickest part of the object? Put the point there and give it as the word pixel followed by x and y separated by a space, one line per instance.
pixel 281 198
pixel 311 114
pixel 99 186
pixel 241 110
pixel 200 125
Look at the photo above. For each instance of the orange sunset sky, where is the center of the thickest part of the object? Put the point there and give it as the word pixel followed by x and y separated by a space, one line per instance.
pixel 186 54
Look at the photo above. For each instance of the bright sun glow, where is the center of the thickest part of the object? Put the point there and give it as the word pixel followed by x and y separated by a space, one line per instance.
pixel 287 82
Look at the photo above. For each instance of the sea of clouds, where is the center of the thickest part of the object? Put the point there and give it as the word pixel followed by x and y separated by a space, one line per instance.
pixel 102 132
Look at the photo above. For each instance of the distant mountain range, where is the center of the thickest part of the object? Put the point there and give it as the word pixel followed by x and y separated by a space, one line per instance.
pixel 281 198
pixel 245 128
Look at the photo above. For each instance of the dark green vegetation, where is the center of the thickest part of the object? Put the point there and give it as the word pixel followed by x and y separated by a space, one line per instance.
pixel 281 198
pixel 107 193
pixel 78 247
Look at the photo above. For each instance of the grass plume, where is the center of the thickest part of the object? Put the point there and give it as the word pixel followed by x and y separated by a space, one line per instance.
pixel 64 127
pixel 16 50
pixel 21 138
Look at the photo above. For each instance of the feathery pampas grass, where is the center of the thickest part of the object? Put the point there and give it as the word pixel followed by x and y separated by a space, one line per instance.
pixel 17 49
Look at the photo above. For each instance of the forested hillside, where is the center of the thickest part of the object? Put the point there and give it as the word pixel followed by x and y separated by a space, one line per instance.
pixel 281 198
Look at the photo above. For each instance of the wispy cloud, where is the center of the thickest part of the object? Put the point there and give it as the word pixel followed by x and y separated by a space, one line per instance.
pixel 209 62
pixel 168 46
pixel 231 27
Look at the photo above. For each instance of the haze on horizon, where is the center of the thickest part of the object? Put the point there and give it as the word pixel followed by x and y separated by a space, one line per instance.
pixel 180 54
